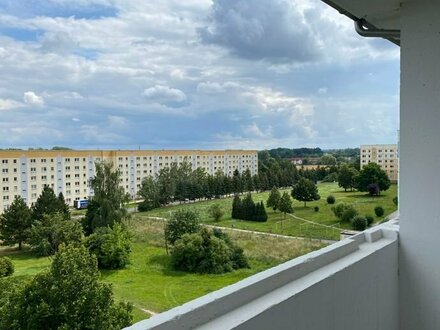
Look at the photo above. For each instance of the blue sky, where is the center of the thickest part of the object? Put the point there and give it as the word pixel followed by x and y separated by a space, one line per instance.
pixel 206 74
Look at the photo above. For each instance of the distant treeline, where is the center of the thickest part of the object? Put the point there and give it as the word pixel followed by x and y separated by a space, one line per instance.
pixel 311 152
pixel 53 148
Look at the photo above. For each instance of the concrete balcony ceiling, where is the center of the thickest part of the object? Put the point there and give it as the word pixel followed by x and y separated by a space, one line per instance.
pixel 377 14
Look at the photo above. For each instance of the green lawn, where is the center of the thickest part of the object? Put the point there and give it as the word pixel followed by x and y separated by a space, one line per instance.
pixel 276 223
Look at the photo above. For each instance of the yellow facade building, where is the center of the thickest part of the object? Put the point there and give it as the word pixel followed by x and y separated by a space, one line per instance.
pixel 385 155
pixel 26 172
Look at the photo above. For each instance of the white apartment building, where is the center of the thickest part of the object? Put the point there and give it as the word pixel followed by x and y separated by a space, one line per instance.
pixel 25 173
pixel 385 155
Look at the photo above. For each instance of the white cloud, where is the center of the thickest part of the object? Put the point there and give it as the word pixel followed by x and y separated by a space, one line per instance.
pixel 164 95
pixel 7 104
pixel 33 99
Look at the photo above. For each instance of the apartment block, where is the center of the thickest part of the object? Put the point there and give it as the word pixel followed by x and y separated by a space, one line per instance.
pixel 25 173
pixel 385 155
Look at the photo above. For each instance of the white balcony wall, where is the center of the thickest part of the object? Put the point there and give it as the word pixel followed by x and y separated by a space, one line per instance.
pixel 419 164
pixel 349 285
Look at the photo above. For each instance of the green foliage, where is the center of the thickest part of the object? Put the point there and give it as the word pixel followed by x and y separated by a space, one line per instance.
pixel 396 201
pixel 68 296
pixel 285 204
pixel 246 209
pixel 111 246
pixel 349 213
pixel 216 212
pixel 359 222
pixel 15 223
pixel 344 212
pixel 370 220
pixel 316 208
pixel 274 199
pixel 150 194
pixel 346 177
pixel 332 177
pixel 206 252
pixel 238 258
pixel 6 267
pixel 47 204
pixel 372 173
pixel 379 211
pixel 305 191
pixel 331 199
pixel 236 208
pixel 327 160
pixel 181 222
pixel 53 230
pixel 105 208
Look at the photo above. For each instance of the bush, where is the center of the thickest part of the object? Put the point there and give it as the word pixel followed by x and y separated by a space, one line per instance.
pixel 373 189
pixel 145 206
pixel 338 209
pixel 379 211
pixel 316 208
pixel 206 252
pixel 331 199
pixel 359 222
pixel 181 222
pixel 349 213
pixel 370 220
pixel 396 201
pixel 238 258
pixel 6 267
pixel 111 247
pixel 216 212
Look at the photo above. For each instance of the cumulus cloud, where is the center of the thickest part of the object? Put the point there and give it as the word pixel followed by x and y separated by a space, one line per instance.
pixel 255 29
pixel 7 104
pixel 165 95
pixel 33 99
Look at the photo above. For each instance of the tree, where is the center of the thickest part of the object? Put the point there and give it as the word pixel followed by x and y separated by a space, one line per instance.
pixel 181 222
pixel 285 204
pixel 47 204
pixel 111 246
pixel 106 206
pixel 216 212
pixel 305 191
pixel 346 177
pixel 327 159
pixel 149 192
pixel 274 199
pixel 237 208
pixel 48 234
pixel 248 207
pixel 68 296
pixel 359 222
pixel 16 223
pixel 62 206
pixel 372 173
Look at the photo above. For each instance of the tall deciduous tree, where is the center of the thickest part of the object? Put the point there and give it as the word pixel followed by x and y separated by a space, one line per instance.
pixel 305 191
pixel 16 223
pixel 106 205
pixel 68 296
pixel 274 199
pixel 285 204
pixel 372 173
pixel 181 222
pixel 346 177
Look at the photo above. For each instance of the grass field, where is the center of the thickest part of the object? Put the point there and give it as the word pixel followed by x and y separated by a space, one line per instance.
pixel 151 284
pixel 276 223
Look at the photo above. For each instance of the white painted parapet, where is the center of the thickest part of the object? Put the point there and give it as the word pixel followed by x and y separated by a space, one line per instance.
pixel 352 284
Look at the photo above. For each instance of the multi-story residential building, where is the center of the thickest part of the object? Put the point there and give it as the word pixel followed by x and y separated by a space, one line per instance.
pixel 25 173
pixel 385 155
